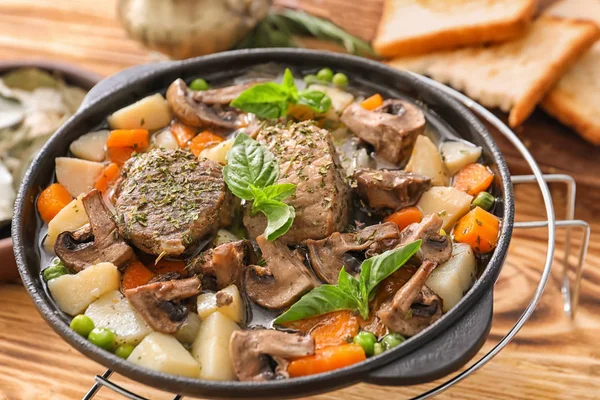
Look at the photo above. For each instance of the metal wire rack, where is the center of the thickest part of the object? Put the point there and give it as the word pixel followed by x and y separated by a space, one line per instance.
pixel 569 289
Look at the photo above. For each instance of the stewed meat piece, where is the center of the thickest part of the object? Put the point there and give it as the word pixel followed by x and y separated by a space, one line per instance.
pixel 391 128
pixel 385 189
pixel 308 159
pixel 167 200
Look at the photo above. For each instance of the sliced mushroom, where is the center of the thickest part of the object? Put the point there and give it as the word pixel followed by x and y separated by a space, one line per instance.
pixel 158 302
pixel 327 256
pixel 386 189
pixel 391 128
pixel 226 263
pixel 435 247
pixel 224 95
pixel 195 113
pixel 282 281
pixel 99 241
pixel 250 351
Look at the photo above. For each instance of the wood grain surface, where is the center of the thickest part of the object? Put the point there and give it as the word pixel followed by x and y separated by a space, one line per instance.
pixel 553 357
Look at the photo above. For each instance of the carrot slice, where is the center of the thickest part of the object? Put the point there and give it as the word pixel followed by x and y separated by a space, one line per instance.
pixel 473 178
pixel 372 102
pixel 137 139
pixel 183 133
pixel 327 359
pixel 203 140
pixel 164 266
pixel 52 199
pixel 332 329
pixel 119 155
pixel 405 217
pixel 136 274
pixel 109 175
pixel 479 229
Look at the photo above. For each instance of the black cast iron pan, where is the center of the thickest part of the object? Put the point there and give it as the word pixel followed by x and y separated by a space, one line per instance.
pixel 440 349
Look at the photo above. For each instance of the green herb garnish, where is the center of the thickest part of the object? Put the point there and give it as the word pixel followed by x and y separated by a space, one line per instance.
pixel 271 100
pixel 350 293
pixel 250 174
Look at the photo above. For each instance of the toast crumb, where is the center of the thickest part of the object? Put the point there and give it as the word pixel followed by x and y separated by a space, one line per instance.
pixel 410 27
pixel 515 75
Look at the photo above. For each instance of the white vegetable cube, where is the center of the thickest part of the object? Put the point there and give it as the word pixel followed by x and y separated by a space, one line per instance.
pixel 149 113
pixel 211 348
pixel 163 353
pixel 90 146
pixel 227 301
pixel 426 160
pixel 340 99
pixel 70 218
pixel 454 278
pixel 449 203
pixel 113 311
pixel 74 293
pixel 76 175
pixel 458 154
pixel 188 331
pixel 218 152
pixel 165 140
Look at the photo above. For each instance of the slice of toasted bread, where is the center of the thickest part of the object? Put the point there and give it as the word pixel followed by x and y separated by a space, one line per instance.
pixel 410 27
pixel 575 100
pixel 515 75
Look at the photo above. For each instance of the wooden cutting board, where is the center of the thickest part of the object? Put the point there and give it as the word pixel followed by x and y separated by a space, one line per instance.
pixel 551 358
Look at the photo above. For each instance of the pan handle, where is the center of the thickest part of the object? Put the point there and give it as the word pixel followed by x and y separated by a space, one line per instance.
pixel 444 354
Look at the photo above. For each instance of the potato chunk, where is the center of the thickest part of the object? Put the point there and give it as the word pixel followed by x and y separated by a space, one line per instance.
pixel 211 348
pixel 90 146
pixel 340 99
pixel 70 218
pixel 449 203
pixel 218 152
pixel 163 353
pixel 76 175
pixel 458 154
pixel 113 311
pixel 149 113
pixel 74 293
pixel 454 278
pixel 232 305
pixel 426 160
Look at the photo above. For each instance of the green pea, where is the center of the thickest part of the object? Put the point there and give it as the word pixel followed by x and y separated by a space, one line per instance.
pixel 103 338
pixel 199 84
pixel 326 74
pixel 124 350
pixel 367 341
pixel 55 270
pixel 340 79
pixel 310 79
pixel 82 324
pixel 484 200
pixel 392 340
pixel 378 349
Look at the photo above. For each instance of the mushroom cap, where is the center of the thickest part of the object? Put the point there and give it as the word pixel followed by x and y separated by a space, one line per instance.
pixel 435 247
pixel 385 189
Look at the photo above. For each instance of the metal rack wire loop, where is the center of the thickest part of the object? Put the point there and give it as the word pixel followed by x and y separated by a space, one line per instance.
pixel 569 290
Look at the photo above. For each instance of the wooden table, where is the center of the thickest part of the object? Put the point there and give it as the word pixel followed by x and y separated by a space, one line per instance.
pixel 551 358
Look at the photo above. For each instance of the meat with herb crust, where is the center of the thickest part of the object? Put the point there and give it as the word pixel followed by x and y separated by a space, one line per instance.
pixel 167 200
pixel 307 158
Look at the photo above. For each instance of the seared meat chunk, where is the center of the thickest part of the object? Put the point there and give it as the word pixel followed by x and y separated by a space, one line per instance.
pixel 391 128
pixel 386 189
pixel 158 302
pixel 226 263
pixel 328 256
pixel 99 241
pixel 415 306
pixel 307 158
pixel 250 351
pixel 167 200
pixel 435 247
pixel 282 280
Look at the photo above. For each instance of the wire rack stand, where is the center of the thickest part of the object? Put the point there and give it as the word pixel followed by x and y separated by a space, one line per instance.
pixel 569 289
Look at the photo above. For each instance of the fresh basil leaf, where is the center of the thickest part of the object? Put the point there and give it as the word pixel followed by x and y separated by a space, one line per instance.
pixel 320 300
pixel 267 100
pixel 316 100
pixel 377 268
pixel 348 283
pixel 279 191
pixel 249 163
pixel 280 216
pixel 289 84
